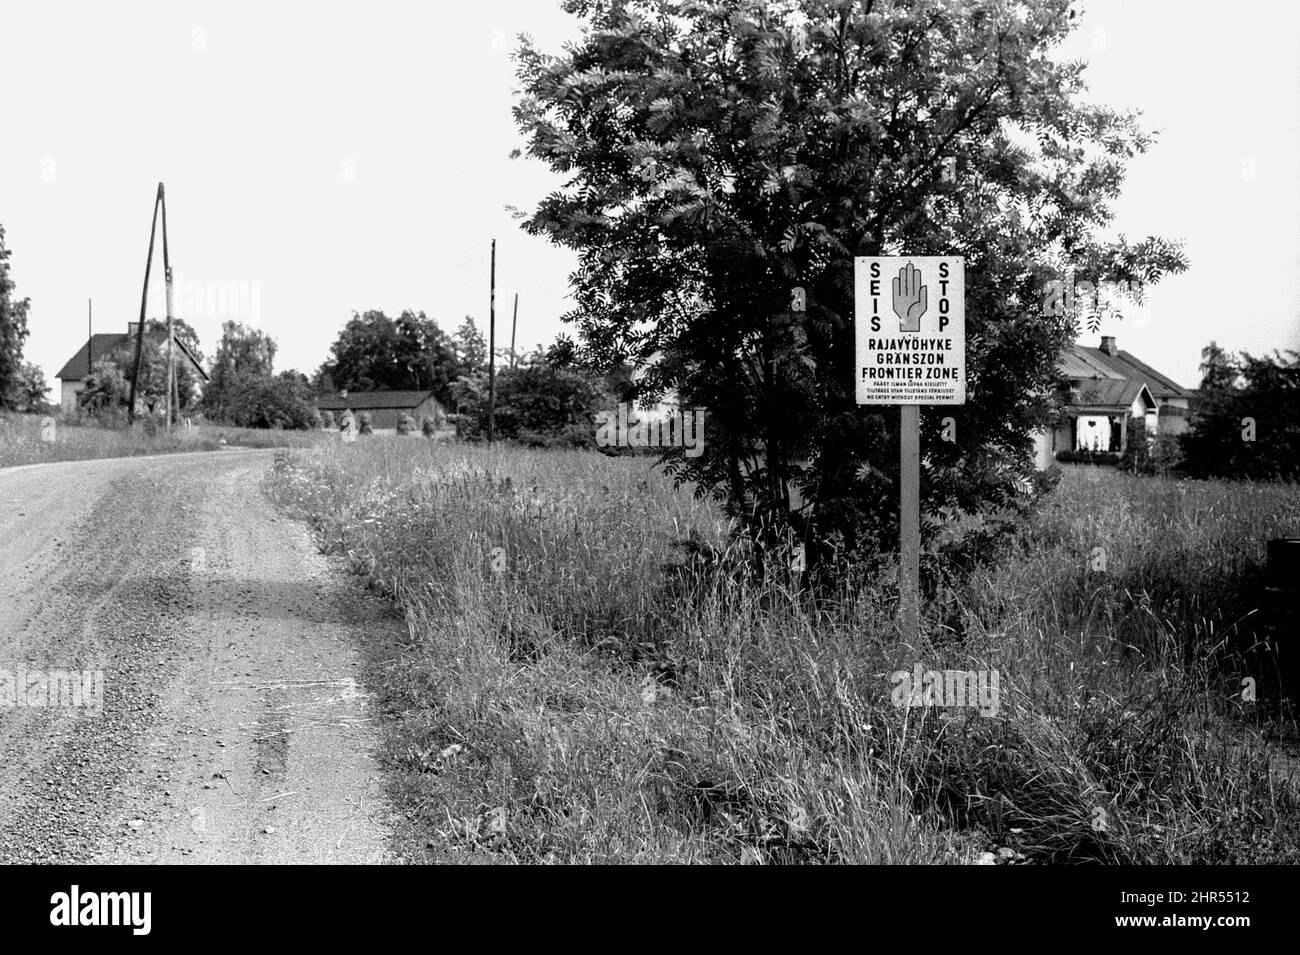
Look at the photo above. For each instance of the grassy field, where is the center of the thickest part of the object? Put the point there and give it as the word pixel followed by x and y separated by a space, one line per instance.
pixel 562 698
pixel 28 439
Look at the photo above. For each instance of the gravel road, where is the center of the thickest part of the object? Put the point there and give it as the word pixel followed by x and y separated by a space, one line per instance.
pixel 235 725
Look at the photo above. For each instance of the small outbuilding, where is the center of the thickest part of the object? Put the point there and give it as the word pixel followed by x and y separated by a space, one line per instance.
pixel 386 407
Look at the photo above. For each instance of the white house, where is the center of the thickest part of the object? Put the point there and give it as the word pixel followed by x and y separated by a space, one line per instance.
pixel 72 376
pixel 1112 398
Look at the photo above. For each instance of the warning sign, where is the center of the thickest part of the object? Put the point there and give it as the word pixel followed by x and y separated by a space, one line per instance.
pixel 910 326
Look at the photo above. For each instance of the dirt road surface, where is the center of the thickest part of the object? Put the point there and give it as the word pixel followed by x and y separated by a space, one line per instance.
pixel 234 725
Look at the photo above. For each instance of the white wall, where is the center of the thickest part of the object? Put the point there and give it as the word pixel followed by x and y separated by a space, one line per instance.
pixel 68 391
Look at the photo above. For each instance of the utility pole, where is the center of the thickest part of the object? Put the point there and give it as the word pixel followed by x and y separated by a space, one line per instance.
pixel 514 321
pixel 144 301
pixel 167 277
pixel 90 337
pixel 492 347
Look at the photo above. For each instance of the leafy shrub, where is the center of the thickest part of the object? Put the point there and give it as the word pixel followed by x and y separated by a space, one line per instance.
pixel 429 428
pixel 539 403
pixel 1158 454
pixel 1087 457
pixel 327 420
pixel 363 423
pixel 1246 423
pixel 405 424
pixel 282 401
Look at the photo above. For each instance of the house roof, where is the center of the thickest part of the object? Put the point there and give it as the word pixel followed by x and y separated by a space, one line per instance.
pixel 1077 363
pixel 1113 394
pixel 78 366
pixel 371 400
pixel 1160 386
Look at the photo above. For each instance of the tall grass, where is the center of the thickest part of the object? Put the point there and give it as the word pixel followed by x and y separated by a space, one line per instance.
pixel 564 697
pixel 30 439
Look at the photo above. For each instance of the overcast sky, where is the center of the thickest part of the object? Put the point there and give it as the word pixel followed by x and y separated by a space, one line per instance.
pixel 331 156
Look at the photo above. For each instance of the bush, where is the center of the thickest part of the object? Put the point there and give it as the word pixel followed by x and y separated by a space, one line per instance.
pixel 540 404
pixel 1246 423
pixel 282 401
pixel 1087 457
pixel 363 423
pixel 405 424
pixel 327 420
pixel 429 428
pixel 1159 454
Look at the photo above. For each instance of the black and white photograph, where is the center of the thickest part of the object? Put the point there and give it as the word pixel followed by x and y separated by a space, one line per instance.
pixel 650 432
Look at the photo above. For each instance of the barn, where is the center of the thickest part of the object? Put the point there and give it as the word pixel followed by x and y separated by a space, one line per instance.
pixel 386 407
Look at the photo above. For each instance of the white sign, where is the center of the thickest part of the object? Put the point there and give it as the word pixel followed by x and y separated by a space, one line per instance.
pixel 910 330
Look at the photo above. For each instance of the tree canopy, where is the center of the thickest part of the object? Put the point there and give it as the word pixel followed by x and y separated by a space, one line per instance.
pixel 374 352
pixel 244 354
pixel 717 154
pixel 13 335
pixel 1246 422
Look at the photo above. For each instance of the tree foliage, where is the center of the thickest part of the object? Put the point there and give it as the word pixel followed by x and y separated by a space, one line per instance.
pixel 106 390
pixel 272 401
pixel 13 335
pixel 244 355
pixel 470 348
pixel 376 353
pixel 1246 423
pixel 717 154
pixel 101 395
pixel 539 402
pixel 30 390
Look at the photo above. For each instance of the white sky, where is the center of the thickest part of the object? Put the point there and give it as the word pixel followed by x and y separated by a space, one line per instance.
pixel 349 155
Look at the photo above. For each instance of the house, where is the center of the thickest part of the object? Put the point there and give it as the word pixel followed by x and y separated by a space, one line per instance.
pixel 385 407
pixel 1113 398
pixel 72 376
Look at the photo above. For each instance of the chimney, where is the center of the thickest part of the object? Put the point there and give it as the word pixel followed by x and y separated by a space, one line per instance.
pixel 1108 344
pixel 132 328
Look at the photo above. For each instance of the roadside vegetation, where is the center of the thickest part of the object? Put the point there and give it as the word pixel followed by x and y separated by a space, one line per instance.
pixel 592 676
pixel 32 439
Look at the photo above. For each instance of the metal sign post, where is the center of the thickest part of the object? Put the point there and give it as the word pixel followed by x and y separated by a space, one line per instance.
pixel 909 520
pixel 492 347
pixel 909 354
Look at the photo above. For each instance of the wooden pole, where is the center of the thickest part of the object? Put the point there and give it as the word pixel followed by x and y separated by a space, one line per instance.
pixel 90 337
pixel 514 323
pixel 144 301
pixel 909 521
pixel 492 347
pixel 167 278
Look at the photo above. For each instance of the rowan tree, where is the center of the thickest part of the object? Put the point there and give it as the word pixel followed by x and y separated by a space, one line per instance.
pixel 718 154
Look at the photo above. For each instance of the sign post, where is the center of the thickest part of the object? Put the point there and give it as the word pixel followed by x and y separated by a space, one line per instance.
pixel 909 354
